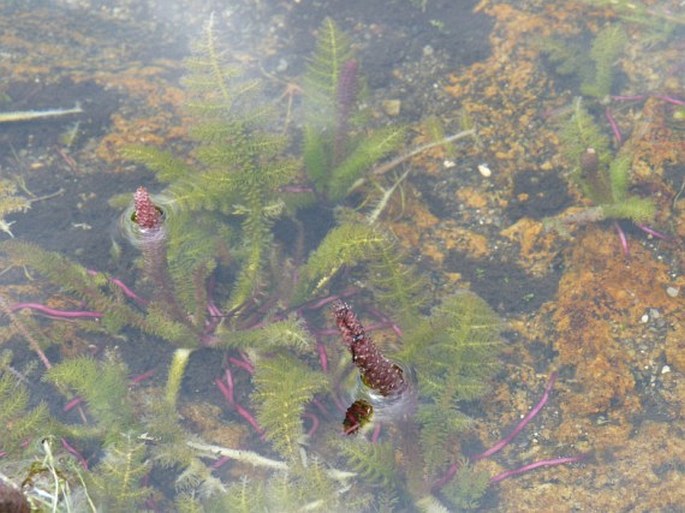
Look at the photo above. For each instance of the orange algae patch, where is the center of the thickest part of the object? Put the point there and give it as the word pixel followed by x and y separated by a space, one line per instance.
pixel 471 197
pixel 601 303
pixel 505 95
pixel 537 246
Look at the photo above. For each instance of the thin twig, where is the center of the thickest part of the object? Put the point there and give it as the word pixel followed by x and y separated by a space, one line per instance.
pixel 388 166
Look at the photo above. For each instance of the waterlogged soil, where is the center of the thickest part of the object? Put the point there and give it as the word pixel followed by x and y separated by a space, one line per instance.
pixel 475 216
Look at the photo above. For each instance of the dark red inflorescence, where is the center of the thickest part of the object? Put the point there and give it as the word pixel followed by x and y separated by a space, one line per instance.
pixel 377 372
pixel 147 216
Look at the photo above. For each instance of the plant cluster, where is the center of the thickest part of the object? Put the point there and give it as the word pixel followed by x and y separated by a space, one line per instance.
pixel 594 68
pixel 603 176
pixel 214 275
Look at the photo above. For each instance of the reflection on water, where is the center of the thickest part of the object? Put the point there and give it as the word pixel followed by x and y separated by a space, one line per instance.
pixel 304 153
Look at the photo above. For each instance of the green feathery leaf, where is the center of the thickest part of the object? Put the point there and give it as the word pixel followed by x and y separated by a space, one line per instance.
pixel 117 479
pixel 345 245
pixel 606 47
pixel 104 385
pixel 17 421
pixel 283 386
pixel 375 463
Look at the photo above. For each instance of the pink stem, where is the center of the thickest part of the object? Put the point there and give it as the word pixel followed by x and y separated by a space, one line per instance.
pixel 622 237
pixel 142 377
pixel 652 231
pixel 73 403
pixel 532 466
pixel 243 364
pixel 249 418
pixel 220 462
pixel 227 391
pixel 524 422
pixel 323 356
pixel 614 126
pixel 319 405
pixel 128 292
pixel 61 314
pixel 670 99
pixel 124 288
pixel 376 433
pixel 315 423
pixel 72 450
pixel 447 477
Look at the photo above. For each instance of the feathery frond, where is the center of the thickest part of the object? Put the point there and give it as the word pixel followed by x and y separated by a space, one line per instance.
pixel 17 421
pixel 283 386
pixel 103 385
pixel 117 479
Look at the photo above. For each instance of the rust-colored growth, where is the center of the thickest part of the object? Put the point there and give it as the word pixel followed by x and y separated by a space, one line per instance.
pixel 147 216
pixel 378 373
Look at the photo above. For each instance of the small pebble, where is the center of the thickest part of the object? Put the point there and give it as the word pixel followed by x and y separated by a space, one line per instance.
pixel 672 291
pixel 665 369
pixel 484 170
pixel 644 319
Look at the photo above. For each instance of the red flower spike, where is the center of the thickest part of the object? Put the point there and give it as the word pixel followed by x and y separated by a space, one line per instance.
pixel 377 372
pixel 146 215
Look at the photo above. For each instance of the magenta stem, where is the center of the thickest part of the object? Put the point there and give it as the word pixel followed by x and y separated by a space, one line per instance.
pixel 73 403
pixel 623 239
pixel 323 356
pixel 249 418
pixel 72 450
pixel 243 364
pixel 220 462
pixel 226 390
pixel 652 231
pixel 670 99
pixel 447 477
pixel 142 377
pixel 128 292
pixel 315 423
pixel 537 464
pixel 376 432
pixel 614 126
pixel 524 422
pixel 53 312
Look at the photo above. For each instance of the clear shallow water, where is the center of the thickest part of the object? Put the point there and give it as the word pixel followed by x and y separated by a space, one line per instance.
pixel 618 387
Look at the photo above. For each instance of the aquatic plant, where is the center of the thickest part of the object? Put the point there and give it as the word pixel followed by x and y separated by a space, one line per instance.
pixel 462 336
pixel 216 219
pixel 334 155
pixel 595 68
pixel 660 21
pixel 603 177
pixel 17 421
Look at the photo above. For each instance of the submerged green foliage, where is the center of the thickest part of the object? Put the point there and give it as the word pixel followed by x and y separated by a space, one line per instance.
pixel 337 149
pixel 454 353
pixel 103 385
pixel 221 279
pixel 283 386
pixel 660 20
pixel 18 421
pixel 603 177
pixel 594 68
